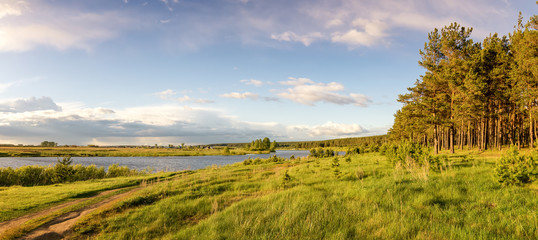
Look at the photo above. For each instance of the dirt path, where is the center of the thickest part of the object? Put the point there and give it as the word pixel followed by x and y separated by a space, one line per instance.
pixel 4 226
pixel 61 226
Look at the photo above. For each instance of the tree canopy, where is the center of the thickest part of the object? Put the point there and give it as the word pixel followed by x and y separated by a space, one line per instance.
pixel 474 94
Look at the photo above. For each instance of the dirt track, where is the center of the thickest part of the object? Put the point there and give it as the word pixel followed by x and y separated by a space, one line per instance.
pixel 60 226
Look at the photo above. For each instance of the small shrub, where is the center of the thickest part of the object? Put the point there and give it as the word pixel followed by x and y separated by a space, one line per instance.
pixel 286 179
pixel 359 173
pixel 226 151
pixel 63 170
pixel 335 163
pixel 115 170
pixel 247 161
pixel 408 151
pixel 7 176
pixel 515 169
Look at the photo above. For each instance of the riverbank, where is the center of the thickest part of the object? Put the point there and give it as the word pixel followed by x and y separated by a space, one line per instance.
pixel 77 151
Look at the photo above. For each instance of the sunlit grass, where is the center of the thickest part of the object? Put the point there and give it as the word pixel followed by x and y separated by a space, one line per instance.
pixel 16 201
pixel 367 199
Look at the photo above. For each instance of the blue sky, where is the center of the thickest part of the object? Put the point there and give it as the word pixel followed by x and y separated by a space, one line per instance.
pixel 112 72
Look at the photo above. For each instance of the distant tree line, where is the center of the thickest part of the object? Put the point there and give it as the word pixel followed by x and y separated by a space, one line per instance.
pixel 480 95
pixel 366 143
pixel 264 144
pixel 48 144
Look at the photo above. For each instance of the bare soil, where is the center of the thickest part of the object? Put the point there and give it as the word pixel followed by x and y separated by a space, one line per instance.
pixel 59 227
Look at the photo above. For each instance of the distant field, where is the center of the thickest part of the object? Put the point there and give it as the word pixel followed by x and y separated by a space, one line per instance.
pixel 111 152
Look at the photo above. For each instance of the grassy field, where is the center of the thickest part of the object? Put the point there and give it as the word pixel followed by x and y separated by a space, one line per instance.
pixel 365 198
pixel 112 152
pixel 17 201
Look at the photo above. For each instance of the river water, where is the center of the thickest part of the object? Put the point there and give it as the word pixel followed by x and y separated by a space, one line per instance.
pixel 156 163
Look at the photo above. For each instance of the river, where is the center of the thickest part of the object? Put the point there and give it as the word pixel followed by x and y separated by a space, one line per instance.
pixel 156 163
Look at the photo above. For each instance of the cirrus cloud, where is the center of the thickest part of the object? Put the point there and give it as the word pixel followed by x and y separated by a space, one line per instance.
pixel 238 95
pixel 305 39
pixel 170 94
pixel 254 82
pixel 35 24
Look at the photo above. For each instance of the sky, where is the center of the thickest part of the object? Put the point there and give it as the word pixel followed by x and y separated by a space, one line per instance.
pixel 145 72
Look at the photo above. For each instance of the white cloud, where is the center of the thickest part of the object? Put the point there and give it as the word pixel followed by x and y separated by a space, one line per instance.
pixel 297 81
pixel 254 82
pixel 373 33
pixel 329 129
pixel 203 101
pixel 335 23
pixel 170 94
pixel 308 92
pixel 78 124
pixel 238 95
pixel 11 9
pixel 170 123
pixel 289 36
pixel 166 94
pixel 29 105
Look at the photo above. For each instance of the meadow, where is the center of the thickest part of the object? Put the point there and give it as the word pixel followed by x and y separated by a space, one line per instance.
pixel 360 197
pixel 80 151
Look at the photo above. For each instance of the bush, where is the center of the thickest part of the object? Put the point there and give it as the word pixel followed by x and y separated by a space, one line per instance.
pixel 321 153
pixel 60 173
pixel 407 151
pixel 412 155
pixel 353 151
pixel 30 176
pixel 63 170
pixel 7 176
pixel 335 163
pixel 515 169
pixel 247 161
pixel 115 170
pixel 226 151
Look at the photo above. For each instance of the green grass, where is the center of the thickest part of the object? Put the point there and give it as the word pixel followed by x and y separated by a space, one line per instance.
pixel 368 200
pixel 16 201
